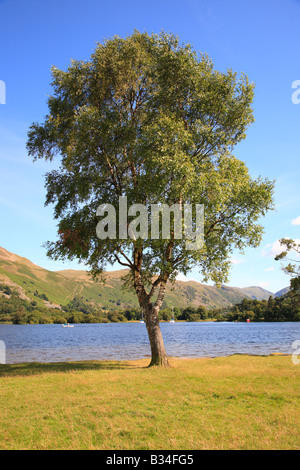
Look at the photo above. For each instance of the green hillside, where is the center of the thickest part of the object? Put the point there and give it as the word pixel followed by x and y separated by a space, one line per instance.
pixel 36 283
pixel 256 293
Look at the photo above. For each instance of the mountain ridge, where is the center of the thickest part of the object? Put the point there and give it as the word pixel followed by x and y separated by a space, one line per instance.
pixel 59 287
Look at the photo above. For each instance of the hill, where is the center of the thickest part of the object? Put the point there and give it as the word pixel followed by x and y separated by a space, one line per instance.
pixel 282 292
pixel 55 288
pixel 256 293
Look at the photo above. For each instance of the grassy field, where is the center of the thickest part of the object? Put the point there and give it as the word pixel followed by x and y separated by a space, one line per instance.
pixel 236 402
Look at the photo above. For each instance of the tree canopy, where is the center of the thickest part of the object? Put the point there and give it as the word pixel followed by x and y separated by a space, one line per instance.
pixel 149 119
pixel 291 249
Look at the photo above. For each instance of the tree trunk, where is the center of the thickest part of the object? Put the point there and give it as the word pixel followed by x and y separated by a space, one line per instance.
pixel 158 352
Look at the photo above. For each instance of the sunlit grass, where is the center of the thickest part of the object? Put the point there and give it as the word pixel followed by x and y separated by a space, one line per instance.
pixel 237 402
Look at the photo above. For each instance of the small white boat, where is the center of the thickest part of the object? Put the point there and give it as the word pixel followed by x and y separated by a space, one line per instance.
pixel 172 321
pixel 68 326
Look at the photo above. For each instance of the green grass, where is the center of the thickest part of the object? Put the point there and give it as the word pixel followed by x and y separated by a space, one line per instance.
pixel 237 402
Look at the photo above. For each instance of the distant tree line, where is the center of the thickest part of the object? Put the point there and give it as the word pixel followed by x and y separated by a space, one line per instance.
pixel 285 308
pixel 14 309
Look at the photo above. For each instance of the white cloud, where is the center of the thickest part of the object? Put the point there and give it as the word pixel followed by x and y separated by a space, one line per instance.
pixel 296 221
pixel 183 278
pixel 263 284
pixel 236 261
pixel 270 269
pixel 273 249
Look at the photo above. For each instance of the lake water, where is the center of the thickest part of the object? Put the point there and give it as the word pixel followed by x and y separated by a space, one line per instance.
pixel 53 343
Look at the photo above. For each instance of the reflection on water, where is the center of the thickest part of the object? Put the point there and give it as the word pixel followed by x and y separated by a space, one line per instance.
pixel 53 343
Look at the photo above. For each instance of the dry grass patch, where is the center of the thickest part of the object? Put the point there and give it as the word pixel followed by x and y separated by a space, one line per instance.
pixel 237 402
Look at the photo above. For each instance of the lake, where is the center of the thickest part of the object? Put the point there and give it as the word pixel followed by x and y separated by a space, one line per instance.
pixel 119 341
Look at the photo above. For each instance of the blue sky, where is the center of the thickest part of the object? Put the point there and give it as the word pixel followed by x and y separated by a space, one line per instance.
pixel 258 38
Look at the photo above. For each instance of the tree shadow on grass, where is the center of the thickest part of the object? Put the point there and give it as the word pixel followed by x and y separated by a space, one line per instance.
pixel 36 368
